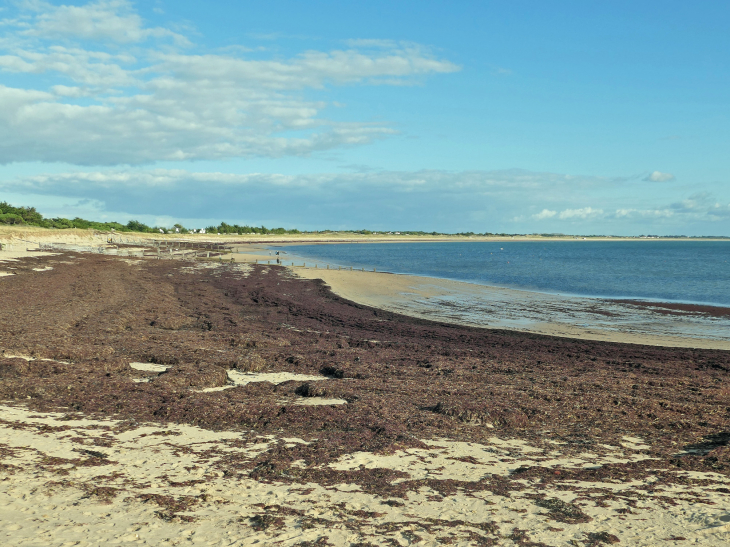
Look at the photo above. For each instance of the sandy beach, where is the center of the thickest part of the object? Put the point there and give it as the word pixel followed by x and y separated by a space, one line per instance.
pixel 172 402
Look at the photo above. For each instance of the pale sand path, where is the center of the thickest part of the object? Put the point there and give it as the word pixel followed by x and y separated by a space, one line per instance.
pixel 494 307
pixel 72 480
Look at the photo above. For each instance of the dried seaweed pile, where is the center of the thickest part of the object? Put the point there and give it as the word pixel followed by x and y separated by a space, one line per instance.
pixel 404 379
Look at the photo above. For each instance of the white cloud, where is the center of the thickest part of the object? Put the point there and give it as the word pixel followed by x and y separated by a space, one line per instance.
pixel 701 206
pixel 658 176
pixel 106 20
pixel 584 213
pixel 632 214
pixel 568 214
pixel 701 203
pixel 545 213
pixel 432 181
pixel 165 103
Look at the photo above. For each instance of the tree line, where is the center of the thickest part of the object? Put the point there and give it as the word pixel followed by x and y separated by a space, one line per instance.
pixel 29 216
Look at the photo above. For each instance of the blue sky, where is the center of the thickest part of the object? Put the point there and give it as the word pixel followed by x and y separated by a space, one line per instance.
pixel 519 117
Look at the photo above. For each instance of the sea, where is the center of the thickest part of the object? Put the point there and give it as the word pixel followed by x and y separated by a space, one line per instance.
pixel 692 272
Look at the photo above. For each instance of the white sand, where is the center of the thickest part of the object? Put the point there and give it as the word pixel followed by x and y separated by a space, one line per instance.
pixel 236 378
pixel 319 401
pixel 243 378
pixel 50 502
pixel 14 255
pixel 149 367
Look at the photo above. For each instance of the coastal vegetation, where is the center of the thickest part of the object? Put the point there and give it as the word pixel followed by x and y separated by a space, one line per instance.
pixel 29 216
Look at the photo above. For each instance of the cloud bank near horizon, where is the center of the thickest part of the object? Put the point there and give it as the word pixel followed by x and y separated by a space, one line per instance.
pixel 457 201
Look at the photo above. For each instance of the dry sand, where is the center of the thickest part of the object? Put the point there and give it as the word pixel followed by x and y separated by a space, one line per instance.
pixel 71 480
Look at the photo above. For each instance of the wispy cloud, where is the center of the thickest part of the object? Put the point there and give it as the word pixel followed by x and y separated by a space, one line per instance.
pixel 501 71
pixel 658 176
pixel 583 213
pixel 103 20
pixel 544 214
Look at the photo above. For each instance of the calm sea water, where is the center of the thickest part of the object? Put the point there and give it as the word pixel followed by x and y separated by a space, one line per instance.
pixel 667 271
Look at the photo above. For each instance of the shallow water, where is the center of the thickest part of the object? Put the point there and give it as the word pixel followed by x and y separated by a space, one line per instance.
pixel 695 272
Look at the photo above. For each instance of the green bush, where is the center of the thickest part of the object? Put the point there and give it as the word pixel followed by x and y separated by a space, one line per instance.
pixel 10 218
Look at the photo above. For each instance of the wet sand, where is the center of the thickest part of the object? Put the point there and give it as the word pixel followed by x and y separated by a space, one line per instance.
pixel 494 307
pixel 165 402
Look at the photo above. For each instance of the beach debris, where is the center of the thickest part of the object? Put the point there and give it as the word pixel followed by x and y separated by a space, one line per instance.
pixel 596 539
pixel 202 375
pixel 311 390
pixel 486 413
pixel 563 511
pixel 250 362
